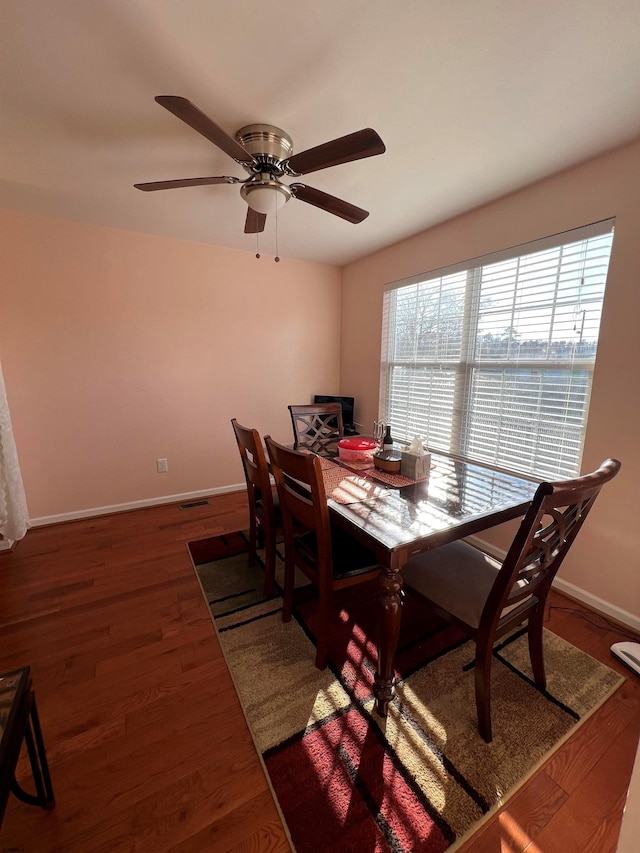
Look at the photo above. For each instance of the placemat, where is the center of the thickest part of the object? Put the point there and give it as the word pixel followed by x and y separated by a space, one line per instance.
pixel 346 488
pixel 358 467
pixel 325 463
pixel 366 470
pixel 395 480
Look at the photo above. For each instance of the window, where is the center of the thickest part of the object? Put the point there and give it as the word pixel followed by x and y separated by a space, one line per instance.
pixel 492 359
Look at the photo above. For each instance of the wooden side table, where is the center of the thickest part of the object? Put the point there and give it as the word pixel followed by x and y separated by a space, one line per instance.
pixel 19 722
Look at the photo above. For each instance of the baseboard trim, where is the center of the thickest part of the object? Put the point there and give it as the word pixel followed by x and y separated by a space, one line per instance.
pixel 109 510
pixel 617 614
pixel 591 601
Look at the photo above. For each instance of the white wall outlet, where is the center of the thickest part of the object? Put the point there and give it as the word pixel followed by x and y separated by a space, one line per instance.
pixel 162 465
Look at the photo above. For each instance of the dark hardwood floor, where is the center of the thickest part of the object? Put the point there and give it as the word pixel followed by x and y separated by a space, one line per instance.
pixel 147 745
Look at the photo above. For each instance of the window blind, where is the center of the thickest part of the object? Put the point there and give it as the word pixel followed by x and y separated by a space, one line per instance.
pixel 493 360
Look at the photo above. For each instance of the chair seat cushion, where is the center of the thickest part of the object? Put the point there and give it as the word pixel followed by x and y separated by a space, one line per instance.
pixel 455 577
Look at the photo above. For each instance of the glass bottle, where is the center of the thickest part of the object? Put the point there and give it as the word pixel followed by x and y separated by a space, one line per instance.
pixel 387 442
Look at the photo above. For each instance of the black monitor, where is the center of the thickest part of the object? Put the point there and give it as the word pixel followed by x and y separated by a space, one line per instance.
pixel 348 404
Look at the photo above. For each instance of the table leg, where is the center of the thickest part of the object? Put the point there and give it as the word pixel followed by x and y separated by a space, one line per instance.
pixel 38 760
pixel 47 790
pixel 389 615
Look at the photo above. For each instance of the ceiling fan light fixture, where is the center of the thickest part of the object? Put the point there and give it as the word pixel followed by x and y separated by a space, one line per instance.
pixel 265 196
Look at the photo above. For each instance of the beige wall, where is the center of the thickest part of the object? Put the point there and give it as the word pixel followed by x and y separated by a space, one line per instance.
pixel 605 562
pixel 120 348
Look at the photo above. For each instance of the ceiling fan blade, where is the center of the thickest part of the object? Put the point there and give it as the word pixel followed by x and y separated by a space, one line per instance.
pixel 354 146
pixel 329 203
pixel 255 222
pixel 191 115
pixel 186 182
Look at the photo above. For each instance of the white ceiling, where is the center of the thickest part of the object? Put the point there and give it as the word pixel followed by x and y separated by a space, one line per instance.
pixel 473 99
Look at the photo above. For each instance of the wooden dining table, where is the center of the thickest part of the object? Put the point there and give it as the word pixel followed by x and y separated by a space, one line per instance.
pixel 457 499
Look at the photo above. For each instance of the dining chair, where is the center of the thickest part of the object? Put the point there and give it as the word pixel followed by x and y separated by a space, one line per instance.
pixel 317 426
pixel 487 598
pixel 265 525
pixel 327 555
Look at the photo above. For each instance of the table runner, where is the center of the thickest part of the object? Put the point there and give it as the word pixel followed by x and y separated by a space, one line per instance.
pixel 366 469
pixel 357 479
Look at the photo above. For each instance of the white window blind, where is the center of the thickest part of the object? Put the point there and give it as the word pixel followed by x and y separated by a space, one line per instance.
pixel 492 360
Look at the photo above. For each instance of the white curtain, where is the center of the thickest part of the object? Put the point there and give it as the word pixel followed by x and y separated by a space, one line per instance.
pixel 14 517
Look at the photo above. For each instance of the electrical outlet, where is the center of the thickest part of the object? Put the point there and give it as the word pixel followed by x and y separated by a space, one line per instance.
pixel 162 465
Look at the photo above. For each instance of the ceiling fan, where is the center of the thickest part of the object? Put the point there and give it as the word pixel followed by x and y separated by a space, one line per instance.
pixel 266 152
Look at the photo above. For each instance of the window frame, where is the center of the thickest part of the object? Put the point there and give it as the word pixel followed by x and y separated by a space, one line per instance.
pixel 468 365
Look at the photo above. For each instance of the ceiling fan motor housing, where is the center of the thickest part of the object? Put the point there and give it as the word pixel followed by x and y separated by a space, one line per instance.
pixel 269 145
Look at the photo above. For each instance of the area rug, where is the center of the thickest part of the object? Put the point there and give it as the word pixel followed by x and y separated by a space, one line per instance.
pixel 345 779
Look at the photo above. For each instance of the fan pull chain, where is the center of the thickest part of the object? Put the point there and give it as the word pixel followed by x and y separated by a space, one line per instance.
pixel 277 259
pixel 257 246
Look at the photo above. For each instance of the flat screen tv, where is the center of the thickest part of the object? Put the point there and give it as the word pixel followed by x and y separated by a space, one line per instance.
pixel 348 404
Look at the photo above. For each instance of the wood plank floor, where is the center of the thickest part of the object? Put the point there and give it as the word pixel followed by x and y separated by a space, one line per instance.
pixel 148 747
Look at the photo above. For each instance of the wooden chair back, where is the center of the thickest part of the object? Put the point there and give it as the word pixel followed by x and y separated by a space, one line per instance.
pixel 254 461
pixel 304 508
pixel 556 514
pixel 328 556
pixel 316 425
pixel 263 524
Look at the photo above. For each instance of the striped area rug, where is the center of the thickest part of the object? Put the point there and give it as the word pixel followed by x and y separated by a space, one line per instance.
pixel 423 779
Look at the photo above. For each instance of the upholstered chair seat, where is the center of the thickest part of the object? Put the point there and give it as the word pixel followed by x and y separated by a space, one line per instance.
pixel 457 578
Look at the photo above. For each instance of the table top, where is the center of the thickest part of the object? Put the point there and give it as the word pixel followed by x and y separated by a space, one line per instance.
pixel 457 499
